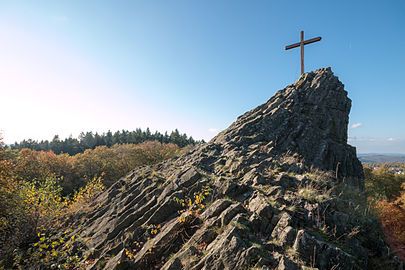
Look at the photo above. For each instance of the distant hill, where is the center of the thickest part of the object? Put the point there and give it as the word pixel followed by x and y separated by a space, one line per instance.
pixel 381 158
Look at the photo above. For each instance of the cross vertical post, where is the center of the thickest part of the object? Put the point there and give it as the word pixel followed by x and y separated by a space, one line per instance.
pixel 301 44
pixel 302 51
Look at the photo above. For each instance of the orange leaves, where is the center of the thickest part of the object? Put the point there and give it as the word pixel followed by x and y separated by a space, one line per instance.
pixel 392 218
pixel 400 201
pixel 386 191
pixel 37 165
pixel 118 160
pixel 112 163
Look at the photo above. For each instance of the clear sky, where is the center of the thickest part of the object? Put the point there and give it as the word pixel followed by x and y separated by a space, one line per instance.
pixel 71 66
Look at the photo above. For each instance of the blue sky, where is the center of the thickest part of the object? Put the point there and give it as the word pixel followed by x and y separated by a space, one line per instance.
pixel 71 66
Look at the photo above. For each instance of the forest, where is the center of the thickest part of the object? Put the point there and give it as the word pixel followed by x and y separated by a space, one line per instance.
pixel 90 140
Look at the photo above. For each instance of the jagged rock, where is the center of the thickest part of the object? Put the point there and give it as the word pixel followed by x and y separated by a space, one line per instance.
pixel 309 118
pixel 283 221
pixel 287 236
pixel 287 264
pixel 261 207
pixel 322 254
pixel 285 181
pixel 263 193
pixel 216 208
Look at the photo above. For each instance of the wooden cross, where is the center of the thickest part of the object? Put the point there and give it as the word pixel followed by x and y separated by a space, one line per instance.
pixel 301 45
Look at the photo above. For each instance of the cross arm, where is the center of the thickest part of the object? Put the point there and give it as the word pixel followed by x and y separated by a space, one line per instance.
pixel 309 41
pixel 292 46
pixel 312 40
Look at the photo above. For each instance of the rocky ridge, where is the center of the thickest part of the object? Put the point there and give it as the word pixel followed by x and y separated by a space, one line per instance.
pixel 279 189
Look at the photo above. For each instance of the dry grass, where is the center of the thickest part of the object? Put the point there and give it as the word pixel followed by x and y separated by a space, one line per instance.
pixel 319 176
pixel 313 194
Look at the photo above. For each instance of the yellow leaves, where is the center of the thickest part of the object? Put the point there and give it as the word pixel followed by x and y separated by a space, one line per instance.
pixel 51 249
pixel 43 246
pixel 88 192
pixel 193 205
pixel 198 199
pixel 182 219
pixel 153 229
pixel 130 254
pixel 43 199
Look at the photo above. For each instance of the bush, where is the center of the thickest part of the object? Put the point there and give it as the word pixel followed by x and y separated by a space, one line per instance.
pixel 15 221
pixel 382 184
pixel 392 218
pixel 386 193
pixel 85 195
pixel 116 161
pixel 45 201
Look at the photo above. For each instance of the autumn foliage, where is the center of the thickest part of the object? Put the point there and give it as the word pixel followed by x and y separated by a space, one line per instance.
pixel 40 189
pixel 386 193
pixel 393 219
pixel 72 172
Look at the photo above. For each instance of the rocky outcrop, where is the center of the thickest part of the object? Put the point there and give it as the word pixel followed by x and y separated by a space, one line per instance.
pixel 279 189
pixel 309 118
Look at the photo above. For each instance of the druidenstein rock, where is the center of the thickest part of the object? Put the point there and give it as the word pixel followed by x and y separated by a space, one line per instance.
pixel 279 189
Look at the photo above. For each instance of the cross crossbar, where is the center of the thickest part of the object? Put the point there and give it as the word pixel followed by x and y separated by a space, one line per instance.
pixel 309 41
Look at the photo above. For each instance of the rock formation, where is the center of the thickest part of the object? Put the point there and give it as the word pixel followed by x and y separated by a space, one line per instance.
pixel 279 189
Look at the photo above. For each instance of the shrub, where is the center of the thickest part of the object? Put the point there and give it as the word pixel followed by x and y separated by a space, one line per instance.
pixel 86 194
pixel 386 193
pixel 382 184
pixel 45 201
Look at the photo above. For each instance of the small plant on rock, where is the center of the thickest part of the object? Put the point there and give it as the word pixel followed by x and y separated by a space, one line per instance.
pixel 194 205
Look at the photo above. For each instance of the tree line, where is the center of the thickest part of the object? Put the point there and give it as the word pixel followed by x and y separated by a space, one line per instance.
pixel 90 140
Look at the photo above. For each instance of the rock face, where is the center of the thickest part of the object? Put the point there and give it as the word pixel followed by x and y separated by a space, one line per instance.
pixel 279 189
pixel 309 118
